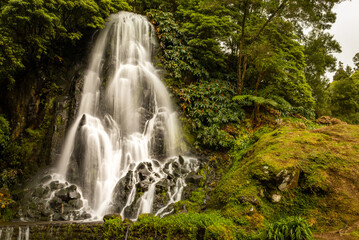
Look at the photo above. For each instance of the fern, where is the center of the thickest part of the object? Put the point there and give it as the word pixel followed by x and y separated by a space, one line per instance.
pixel 248 100
pixel 294 228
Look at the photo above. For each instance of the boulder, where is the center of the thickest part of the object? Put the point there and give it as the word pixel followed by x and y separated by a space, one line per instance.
pixel 288 179
pixel 193 178
pixel 276 198
pixel 63 194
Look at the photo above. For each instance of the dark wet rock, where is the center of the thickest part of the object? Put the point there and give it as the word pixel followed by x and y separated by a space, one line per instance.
pixel 159 201
pixel 46 213
pixel 63 194
pixel 46 179
pixel 156 163
pixel 180 159
pixel 143 185
pixel 184 171
pixel 85 215
pixel 39 192
pixel 54 185
pixel 193 178
pixel 76 203
pixel 121 192
pixel 46 193
pixel 56 217
pixel 55 203
pixel 177 172
pixel 170 176
pixel 162 186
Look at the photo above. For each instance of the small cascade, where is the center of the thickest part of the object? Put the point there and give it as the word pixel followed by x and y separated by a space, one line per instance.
pixel 122 153
pixel 19 233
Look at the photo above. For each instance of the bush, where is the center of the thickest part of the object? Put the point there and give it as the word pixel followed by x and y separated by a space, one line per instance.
pixel 210 112
pixel 294 228
pixel 176 57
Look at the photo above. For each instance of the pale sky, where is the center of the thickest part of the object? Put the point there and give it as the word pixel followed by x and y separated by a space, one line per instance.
pixel 346 30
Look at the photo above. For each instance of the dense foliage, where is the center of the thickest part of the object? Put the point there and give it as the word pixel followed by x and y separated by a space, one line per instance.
pixel 35 29
pixel 211 111
pixel 177 57
pixel 344 96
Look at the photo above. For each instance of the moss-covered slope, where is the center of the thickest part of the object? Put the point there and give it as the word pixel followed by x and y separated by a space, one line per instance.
pixel 291 172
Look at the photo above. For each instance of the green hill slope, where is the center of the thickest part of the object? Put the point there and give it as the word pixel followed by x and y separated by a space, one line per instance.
pixel 295 172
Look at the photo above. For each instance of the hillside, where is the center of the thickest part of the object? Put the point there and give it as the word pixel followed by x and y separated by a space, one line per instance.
pixel 291 171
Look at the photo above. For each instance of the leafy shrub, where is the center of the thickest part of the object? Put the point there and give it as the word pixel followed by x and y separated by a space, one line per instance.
pixel 249 100
pixel 4 132
pixel 210 111
pixel 294 228
pixel 275 102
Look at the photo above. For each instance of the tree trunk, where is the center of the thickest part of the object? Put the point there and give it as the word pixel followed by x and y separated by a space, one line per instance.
pixel 241 44
pixel 257 106
pixel 260 76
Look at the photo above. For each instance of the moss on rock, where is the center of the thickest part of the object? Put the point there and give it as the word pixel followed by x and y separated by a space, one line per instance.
pixel 295 172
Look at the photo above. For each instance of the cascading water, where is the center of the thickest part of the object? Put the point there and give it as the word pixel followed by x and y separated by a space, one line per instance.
pixel 121 152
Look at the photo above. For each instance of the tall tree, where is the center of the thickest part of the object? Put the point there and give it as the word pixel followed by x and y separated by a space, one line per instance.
pixel 302 13
pixel 356 61
pixel 344 94
pixel 319 49
pixel 207 25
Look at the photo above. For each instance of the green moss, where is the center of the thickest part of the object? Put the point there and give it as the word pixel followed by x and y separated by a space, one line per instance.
pixel 324 161
pixel 188 135
pixel 355 234
pixel 180 226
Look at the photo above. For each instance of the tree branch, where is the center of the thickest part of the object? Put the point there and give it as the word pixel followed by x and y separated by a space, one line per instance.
pixel 274 14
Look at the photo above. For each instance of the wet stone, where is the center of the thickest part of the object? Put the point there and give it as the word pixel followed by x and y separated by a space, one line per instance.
pixel 74 194
pixel 77 204
pixel 46 179
pixel 54 185
pixel 181 159
pixel 63 194
pixel 170 176
pixel 39 192
pixel 184 171
pixel 56 217
pixel 45 213
pixel 193 178
pixel 55 203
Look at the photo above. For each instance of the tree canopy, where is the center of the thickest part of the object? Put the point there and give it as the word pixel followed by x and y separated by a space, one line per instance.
pixel 31 30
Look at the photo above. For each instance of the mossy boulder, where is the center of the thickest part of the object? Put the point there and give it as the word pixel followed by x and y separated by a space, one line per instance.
pixel 294 172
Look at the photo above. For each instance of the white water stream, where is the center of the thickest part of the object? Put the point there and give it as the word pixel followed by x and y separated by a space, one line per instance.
pixel 125 126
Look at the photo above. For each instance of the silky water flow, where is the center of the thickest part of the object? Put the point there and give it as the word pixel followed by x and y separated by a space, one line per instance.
pixel 121 154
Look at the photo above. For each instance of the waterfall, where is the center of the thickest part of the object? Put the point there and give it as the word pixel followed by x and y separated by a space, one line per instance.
pixel 122 151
